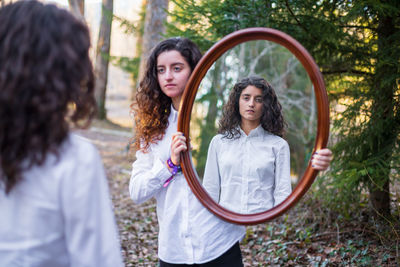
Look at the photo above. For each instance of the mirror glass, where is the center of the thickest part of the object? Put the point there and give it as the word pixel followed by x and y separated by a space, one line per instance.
pixel 295 93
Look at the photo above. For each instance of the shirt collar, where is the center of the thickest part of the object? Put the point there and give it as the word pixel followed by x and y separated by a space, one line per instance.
pixel 253 133
pixel 173 116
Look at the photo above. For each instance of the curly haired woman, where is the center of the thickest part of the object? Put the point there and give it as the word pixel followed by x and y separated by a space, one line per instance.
pixel 55 208
pixel 189 233
pixel 248 162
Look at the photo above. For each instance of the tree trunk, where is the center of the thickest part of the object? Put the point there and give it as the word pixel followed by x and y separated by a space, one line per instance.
pixel 154 28
pixel 77 7
pixel 139 45
pixel 102 57
pixel 383 112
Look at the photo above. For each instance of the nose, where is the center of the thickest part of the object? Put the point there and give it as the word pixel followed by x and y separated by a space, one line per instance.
pixel 251 102
pixel 168 75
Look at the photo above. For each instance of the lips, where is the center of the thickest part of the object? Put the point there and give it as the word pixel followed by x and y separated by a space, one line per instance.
pixel 250 111
pixel 168 85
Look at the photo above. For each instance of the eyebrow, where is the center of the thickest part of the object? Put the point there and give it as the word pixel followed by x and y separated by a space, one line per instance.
pixel 250 95
pixel 173 64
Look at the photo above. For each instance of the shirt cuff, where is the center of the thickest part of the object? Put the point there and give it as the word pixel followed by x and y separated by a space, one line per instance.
pixel 161 170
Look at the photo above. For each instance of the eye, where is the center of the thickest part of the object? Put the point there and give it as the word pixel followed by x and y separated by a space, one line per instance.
pixel 160 70
pixel 259 100
pixel 177 68
pixel 246 97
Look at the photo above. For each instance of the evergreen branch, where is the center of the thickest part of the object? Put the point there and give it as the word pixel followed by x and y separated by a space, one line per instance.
pixel 330 72
pixel 128 26
pixel 358 27
pixel 298 22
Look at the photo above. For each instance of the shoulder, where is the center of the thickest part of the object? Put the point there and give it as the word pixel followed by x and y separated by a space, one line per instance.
pixel 79 163
pixel 215 143
pixel 79 149
pixel 221 139
pixel 217 138
pixel 81 144
pixel 76 155
pixel 277 141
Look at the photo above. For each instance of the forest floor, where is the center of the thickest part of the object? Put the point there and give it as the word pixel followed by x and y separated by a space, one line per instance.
pixel 305 236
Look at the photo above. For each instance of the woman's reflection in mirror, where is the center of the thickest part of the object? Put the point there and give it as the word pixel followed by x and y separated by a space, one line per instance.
pixel 248 163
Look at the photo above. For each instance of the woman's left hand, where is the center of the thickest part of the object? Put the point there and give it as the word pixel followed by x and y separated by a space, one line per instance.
pixel 178 145
pixel 321 159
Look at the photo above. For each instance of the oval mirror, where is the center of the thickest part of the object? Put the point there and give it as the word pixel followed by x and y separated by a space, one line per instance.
pixel 295 93
pixel 299 86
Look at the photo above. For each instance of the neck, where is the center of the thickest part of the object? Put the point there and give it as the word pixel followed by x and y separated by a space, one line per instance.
pixel 176 101
pixel 248 126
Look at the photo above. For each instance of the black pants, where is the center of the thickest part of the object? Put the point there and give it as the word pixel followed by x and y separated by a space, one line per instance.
pixel 231 258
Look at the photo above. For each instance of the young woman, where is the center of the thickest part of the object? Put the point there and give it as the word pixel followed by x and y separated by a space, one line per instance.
pixel 188 232
pixel 55 208
pixel 248 163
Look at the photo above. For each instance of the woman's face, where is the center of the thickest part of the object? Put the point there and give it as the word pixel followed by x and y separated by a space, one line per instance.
pixel 173 73
pixel 251 104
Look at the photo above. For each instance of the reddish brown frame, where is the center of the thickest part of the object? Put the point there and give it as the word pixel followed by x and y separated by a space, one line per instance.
pixel 189 95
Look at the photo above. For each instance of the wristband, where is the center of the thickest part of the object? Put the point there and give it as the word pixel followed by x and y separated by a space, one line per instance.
pixel 175 170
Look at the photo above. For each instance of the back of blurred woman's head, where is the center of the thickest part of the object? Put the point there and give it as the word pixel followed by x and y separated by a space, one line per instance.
pixel 46 84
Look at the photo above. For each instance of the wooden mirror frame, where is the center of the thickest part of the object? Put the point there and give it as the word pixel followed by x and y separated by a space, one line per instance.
pixel 188 98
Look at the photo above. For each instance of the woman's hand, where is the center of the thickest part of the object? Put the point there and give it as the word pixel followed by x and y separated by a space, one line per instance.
pixel 321 159
pixel 178 145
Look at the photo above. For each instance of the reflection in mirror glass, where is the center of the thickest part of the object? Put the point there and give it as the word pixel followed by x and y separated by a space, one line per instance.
pixel 291 83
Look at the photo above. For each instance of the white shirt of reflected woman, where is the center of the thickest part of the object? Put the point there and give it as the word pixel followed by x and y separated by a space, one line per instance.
pixel 248 174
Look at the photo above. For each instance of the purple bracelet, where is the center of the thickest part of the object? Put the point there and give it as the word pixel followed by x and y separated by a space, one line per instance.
pixel 175 170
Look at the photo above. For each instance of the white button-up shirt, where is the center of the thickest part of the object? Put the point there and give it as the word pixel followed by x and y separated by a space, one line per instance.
pixel 60 214
pixel 189 233
pixel 249 174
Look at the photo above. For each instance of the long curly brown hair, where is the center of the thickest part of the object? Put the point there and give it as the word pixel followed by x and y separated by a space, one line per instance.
pixel 271 120
pixel 152 107
pixel 46 84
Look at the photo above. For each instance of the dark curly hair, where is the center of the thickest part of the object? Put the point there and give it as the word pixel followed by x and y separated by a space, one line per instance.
pixel 152 107
pixel 46 84
pixel 271 120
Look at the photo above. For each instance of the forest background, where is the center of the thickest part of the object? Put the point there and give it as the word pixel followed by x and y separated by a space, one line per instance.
pixel 351 214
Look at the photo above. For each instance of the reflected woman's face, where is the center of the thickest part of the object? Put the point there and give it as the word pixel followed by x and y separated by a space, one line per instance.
pixel 251 104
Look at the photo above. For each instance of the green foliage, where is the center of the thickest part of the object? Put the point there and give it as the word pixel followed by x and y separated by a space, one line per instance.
pixel 291 243
pixel 354 253
pixel 205 22
pixel 130 65
pixel 130 27
pixel 355 43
